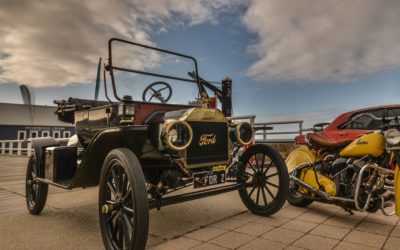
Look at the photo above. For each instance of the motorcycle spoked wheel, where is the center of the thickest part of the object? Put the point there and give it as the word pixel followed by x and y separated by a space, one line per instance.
pixel 295 197
pixel 266 180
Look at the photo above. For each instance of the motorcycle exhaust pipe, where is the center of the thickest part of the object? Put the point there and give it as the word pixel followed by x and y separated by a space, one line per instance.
pixel 309 187
pixel 318 192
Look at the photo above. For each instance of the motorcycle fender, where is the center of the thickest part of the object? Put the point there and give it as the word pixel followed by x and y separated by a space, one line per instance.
pixel 300 157
pixel 397 190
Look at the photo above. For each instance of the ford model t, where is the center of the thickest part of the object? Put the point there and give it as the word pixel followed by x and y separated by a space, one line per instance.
pixel 139 152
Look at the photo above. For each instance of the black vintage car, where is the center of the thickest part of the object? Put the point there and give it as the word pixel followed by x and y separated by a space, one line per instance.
pixel 140 151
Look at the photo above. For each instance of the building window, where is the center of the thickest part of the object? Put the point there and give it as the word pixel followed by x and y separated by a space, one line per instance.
pixel 34 134
pixel 45 133
pixel 56 134
pixel 66 134
pixel 21 135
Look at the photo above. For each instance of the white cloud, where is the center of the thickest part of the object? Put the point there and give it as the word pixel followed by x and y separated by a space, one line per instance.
pixel 50 43
pixel 310 41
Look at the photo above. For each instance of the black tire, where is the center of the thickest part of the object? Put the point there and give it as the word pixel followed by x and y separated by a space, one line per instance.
pixel 264 180
pixel 296 198
pixel 35 192
pixel 123 204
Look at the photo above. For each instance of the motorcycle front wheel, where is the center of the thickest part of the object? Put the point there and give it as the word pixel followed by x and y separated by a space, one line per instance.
pixel 295 197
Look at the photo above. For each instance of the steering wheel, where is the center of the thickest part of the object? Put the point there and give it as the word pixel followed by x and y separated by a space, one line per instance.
pixel 156 91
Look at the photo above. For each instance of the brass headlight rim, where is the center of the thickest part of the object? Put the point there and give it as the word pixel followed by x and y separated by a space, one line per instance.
pixel 168 129
pixel 238 133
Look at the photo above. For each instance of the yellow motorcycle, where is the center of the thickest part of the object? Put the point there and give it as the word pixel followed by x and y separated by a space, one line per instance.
pixel 360 175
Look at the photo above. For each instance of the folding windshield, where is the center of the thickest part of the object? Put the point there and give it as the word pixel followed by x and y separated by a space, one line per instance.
pixel 365 122
pixel 152 75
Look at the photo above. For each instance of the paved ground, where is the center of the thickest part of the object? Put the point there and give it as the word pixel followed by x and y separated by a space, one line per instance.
pixel 69 221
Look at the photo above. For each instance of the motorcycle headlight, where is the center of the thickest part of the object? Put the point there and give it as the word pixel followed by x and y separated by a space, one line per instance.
pixel 243 133
pixel 178 135
pixel 392 136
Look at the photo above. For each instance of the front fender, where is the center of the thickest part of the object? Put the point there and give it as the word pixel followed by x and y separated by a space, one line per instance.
pixel 131 137
pixel 300 157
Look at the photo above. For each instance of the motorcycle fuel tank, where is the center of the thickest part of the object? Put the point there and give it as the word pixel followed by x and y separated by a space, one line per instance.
pixel 372 144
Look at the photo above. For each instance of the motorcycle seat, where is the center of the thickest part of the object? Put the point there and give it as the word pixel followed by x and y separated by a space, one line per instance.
pixel 320 142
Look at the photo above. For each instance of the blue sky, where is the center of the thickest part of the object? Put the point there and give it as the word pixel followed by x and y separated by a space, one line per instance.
pixel 282 68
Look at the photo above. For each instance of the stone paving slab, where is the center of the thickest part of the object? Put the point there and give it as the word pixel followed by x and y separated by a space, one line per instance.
pixel 70 221
pixel 338 230
pixel 70 218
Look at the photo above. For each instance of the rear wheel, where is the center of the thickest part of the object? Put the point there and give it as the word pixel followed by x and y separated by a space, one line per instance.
pixel 266 179
pixel 123 204
pixel 35 191
pixel 295 197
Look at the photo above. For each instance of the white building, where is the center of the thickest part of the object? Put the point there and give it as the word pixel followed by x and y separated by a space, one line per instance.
pixel 20 122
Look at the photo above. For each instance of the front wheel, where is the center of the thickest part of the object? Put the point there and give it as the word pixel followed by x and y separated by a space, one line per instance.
pixel 266 180
pixel 35 191
pixel 123 204
pixel 296 197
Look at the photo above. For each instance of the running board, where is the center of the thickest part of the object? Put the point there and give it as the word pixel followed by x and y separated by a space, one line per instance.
pixel 153 203
pixel 46 181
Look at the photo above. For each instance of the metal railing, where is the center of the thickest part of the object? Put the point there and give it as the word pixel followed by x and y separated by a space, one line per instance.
pixel 20 147
pixel 263 129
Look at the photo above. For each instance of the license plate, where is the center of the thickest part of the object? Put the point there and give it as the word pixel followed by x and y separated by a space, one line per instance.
pixel 208 178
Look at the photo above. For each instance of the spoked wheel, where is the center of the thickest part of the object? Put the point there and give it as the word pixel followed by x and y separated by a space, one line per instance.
pixel 266 180
pixel 35 192
pixel 295 197
pixel 123 204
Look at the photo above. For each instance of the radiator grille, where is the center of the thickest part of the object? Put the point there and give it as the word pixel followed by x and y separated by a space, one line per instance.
pixel 217 152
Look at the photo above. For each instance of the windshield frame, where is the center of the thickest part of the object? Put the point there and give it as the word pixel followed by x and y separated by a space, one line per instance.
pixel 110 68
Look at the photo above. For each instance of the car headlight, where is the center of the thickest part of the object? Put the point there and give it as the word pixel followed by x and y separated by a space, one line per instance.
pixel 392 136
pixel 177 135
pixel 243 133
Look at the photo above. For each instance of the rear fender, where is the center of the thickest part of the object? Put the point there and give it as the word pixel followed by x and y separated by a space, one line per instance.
pixel 300 157
pixel 39 145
